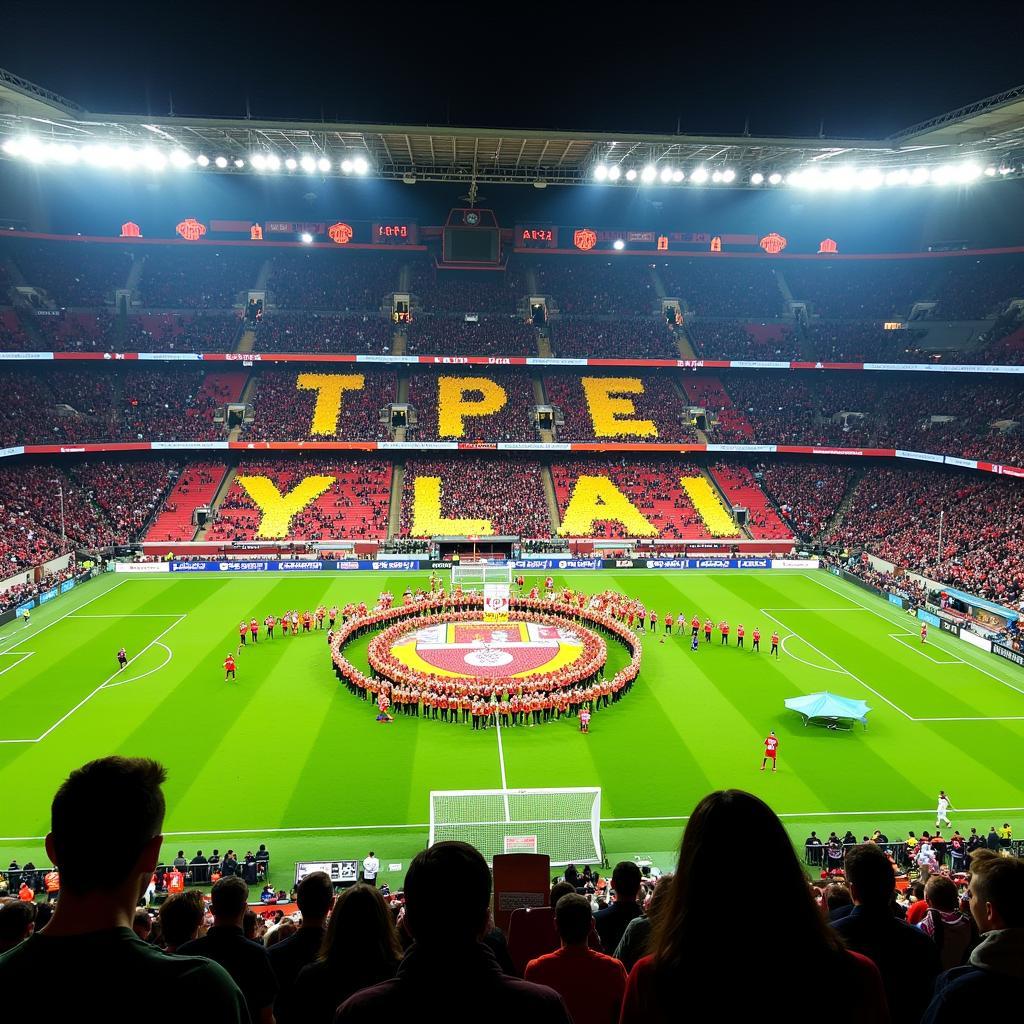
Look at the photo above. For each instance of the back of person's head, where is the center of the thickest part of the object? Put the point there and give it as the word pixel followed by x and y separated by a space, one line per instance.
pixel 979 856
pixel 997 890
pixel 701 919
pixel 573 918
pixel 181 916
pixel 447 892
pixel 16 921
pixel 870 875
pixel 250 924
pixel 837 895
pixel 560 889
pixel 229 898
pixel 626 879
pixel 314 895
pixel 118 799
pixel 917 890
pixel 361 933
pixel 142 923
pixel 941 893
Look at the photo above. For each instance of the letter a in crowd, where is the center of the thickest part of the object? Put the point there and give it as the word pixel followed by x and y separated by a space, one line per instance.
pixel 612 414
pixel 596 499
pixel 329 388
pixel 276 509
pixel 428 519
pixel 454 405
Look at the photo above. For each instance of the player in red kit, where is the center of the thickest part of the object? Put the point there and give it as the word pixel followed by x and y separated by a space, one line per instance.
pixel 243 627
pixel 695 625
pixel 668 623
pixel 723 628
pixel 707 631
pixel 771 747
pixel 229 667
pixel 270 622
pixel 755 640
pixel 924 632
pixel 549 585
pixel 740 634
pixel 653 628
pixel 254 629
pixel 775 645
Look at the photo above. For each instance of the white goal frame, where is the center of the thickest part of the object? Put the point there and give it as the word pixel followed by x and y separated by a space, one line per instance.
pixel 470 575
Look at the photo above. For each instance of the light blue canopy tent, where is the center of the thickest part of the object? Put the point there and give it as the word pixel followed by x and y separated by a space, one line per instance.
pixel 829 710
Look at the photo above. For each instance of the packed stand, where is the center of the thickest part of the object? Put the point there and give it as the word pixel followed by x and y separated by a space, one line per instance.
pixel 637 338
pixel 198 278
pixel 20 593
pixel 464 291
pixel 808 494
pixel 712 286
pixel 654 487
pixel 142 332
pixel 732 339
pixel 353 505
pixel 598 286
pixel 284 411
pixel 127 493
pixel 726 422
pixel 72 273
pixel 974 287
pixel 465 405
pixel 507 493
pixel 588 410
pixel 340 281
pixel 452 336
pixel 859 289
pixel 12 335
pixel 316 332
pixel 867 342
pixel 740 488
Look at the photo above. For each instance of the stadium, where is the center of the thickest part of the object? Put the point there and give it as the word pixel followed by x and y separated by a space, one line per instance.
pixel 394 484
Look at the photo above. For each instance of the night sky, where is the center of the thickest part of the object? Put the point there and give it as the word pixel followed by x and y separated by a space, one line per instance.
pixel 866 71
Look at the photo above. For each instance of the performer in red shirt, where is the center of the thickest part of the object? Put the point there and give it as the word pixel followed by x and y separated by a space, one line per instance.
pixel 707 631
pixel 924 632
pixel 668 623
pixel 229 667
pixel 695 625
pixel 771 746
pixel 740 633
pixel 756 640
pixel 775 644
pixel 243 627
pixel 270 622
pixel 254 629
pixel 723 628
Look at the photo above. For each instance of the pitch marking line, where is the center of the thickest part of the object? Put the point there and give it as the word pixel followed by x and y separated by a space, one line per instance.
pixel 809 664
pixel 20 655
pixel 842 668
pixel 21 635
pixel 977 668
pixel 919 648
pixel 133 679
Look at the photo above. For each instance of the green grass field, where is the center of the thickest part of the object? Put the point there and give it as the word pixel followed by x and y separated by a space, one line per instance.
pixel 289 758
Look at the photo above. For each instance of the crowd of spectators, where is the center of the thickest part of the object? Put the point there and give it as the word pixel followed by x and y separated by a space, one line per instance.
pixel 455 336
pixel 508 494
pixel 659 403
pixel 465 291
pixel 438 419
pixel 726 422
pixel 19 593
pixel 126 493
pixel 576 337
pixel 354 506
pixel 732 339
pixel 653 486
pixel 101 331
pixel 354 282
pixel 12 335
pixel 352 334
pixel 198 278
pixel 597 285
pixel 861 341
pixel 742 490
pixel 859 289
pixel 284 412
pixel 712 286
pixel 196 486
pixel 808 494
pixel 71 273
pixel 973 287
pixel 895 514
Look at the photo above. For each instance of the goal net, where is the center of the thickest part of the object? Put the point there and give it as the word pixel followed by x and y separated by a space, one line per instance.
pixel 473 575
pixel 563 823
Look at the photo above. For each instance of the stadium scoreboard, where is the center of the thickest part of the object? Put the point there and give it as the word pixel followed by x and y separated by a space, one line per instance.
pixel 536 236
pixel 393 233
pixel 471 237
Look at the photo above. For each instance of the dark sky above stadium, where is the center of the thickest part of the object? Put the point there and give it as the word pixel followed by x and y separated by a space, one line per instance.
pixel 859 70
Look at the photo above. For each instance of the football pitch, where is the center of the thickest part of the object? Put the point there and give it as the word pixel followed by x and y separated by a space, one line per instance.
pixel 288 757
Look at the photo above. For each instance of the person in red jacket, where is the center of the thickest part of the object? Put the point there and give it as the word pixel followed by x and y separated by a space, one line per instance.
pixel 709 948
pixel 229 667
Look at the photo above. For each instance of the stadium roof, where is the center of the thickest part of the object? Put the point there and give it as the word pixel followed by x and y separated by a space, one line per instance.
pixel 990 131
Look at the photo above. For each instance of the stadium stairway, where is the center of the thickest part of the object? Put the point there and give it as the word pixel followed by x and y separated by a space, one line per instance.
pixel 399 343
pixel 395 504
pixel 246 341
pixel 188 493
pixel 780 280
pixel 544 349
pixel 844 506
pixel 266 267
pixel 739 487
pixel 221 492
pixel 134 275
pixel 552 498
pixel 684 346
pixel 659 285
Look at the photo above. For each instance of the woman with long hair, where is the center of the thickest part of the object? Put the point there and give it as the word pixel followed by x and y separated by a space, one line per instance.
pixel 756 947
pixel 360 949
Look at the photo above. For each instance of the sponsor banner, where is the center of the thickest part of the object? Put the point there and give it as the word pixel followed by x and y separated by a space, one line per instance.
pixel 551 361
pixel 929 617
pixel 952 460
pixel 433 446
pixel 67 585
pixel 6 453
pixel 48 595
pixel 440 565
pixel 347 565
pixel 22 608
pixel 920 456
pixel 557 563
pixel 302 565
pixel 895 599
pixel 944 368
pixel 740 447
pixel 148 567
pixel 531 446
pixel 619 563
pixel 390 565
pixel 974 640
pixel 171 357
pixel 496 602
pixel 25 355
pixel 758 364
pixel 382 359
pixel 1002 651
pixel 197 445
pixel 949 627
pixel 796 563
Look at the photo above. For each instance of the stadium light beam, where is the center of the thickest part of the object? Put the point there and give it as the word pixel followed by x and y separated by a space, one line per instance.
pixel 306 237
pixel 258 161
pixel 347 167
pixel 361 164
pixel 600 173
pixel 631 174
pixel 273 162
pixel 728 175
pixel 678 176
pixel 649 174
pixel 757 178
pixel 775 178
pixel 308 164
pixel 614 172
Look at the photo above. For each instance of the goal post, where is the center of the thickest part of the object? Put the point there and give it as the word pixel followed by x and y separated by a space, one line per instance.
pixel 565 824
pixel 471 575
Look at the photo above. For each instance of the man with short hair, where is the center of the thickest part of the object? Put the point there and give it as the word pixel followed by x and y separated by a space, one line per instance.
pixel 612 920
pixel 905 956
pixel 17 922
pixel 247 962
pixel 992 981
pixel 591 984
pixel 181 917
pixel 447 896
pixel 315 896
pixel 952 932
pixel 371 866
pixel 142 924
pixel 88 945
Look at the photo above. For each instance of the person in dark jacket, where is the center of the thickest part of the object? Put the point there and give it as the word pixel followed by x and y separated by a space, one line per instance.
pixel 612 920
pixel 448 973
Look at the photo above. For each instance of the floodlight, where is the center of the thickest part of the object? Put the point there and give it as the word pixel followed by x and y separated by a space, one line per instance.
pixel 728 175
pixel 239 163
pixel 600 173
pixel 649 174
pixel 699 176
pixel 618 244
pixel 180 159
pixel 774 179
pixel 203 160
pixel 308 164
pixel 221 162
pixel 273 162
pixel 614 172
pixel 898 177
pixel 919 175
pixel 631 174
pixel 347 167
pixel 258 161
pixel 677 175
pixel 361 165
pixel 323 164
pixel 666 175
pixel 756 178
pixel 12 147
pixel 306 237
